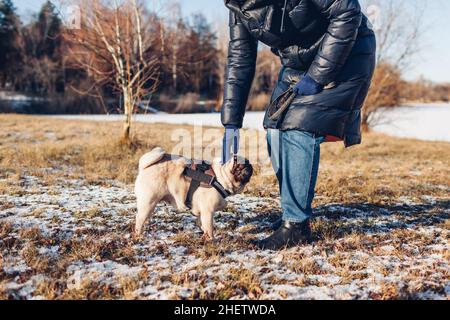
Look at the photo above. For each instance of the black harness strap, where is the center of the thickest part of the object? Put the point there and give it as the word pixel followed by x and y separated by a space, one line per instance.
pixel 192 188
pixel 223 192
pixel 198 176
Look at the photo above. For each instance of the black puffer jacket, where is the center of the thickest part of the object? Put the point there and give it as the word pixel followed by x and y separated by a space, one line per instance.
pixel 328 39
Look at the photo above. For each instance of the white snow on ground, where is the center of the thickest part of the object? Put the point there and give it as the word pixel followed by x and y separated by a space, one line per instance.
pixel 424 122
pixel 364 260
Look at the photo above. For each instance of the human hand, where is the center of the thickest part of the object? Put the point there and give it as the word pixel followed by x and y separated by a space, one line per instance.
pixel 307 86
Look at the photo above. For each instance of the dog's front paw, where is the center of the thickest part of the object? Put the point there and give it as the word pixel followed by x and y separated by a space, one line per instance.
pixel 138 232
pixel 208 237
pixel 137 236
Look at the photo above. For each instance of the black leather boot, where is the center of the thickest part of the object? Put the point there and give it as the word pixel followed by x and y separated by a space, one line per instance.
pixel 277 224
pixel 288 235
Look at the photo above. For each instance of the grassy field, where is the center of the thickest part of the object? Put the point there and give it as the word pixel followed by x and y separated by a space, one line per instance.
pixel 67 207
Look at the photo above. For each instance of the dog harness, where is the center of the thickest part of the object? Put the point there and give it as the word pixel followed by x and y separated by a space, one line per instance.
pixel 202 174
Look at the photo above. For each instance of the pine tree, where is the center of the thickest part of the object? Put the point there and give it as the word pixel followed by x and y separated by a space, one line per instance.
pixel 43 68
pixel 9 35
pixel 49 26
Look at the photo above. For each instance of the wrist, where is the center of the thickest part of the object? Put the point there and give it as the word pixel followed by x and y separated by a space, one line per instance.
pixel 313 81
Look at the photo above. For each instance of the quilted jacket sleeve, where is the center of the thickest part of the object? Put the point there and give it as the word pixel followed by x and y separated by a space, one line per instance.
pixel 242 52
pixel 345 18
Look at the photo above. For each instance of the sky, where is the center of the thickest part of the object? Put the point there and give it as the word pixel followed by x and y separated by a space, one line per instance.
pixel 433 61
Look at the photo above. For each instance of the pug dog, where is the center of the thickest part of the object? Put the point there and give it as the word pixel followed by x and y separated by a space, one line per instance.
pixel 161 178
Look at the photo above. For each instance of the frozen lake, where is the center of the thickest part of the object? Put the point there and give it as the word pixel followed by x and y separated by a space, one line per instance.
pixel 425 122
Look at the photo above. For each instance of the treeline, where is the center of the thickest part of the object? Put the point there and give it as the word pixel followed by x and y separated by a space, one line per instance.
pixel 37 59
pixel 31 55
pixel 425 91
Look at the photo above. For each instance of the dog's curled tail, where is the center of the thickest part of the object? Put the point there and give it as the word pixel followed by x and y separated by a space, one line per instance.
pixel 151 158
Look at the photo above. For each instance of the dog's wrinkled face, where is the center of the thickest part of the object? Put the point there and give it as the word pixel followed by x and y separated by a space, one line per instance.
pixel 234 176
pixel 240 173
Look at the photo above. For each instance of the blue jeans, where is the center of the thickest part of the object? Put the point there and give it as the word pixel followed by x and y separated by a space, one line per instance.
pixel 295 158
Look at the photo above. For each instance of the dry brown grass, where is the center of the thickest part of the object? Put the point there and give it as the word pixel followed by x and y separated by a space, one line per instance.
pixel 115 248
pixel 31 144
pixel 239 279
pixel 371 177
pixel 380 170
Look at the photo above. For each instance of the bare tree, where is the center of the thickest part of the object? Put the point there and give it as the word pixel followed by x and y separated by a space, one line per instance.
pixel 399 27
pixel 112 47
pixel 171 34
pixel 187 50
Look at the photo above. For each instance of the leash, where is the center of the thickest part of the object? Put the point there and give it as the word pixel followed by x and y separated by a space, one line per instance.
pixel 227 144
pixel 281 104
pixel 199 175
pixel 235 149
